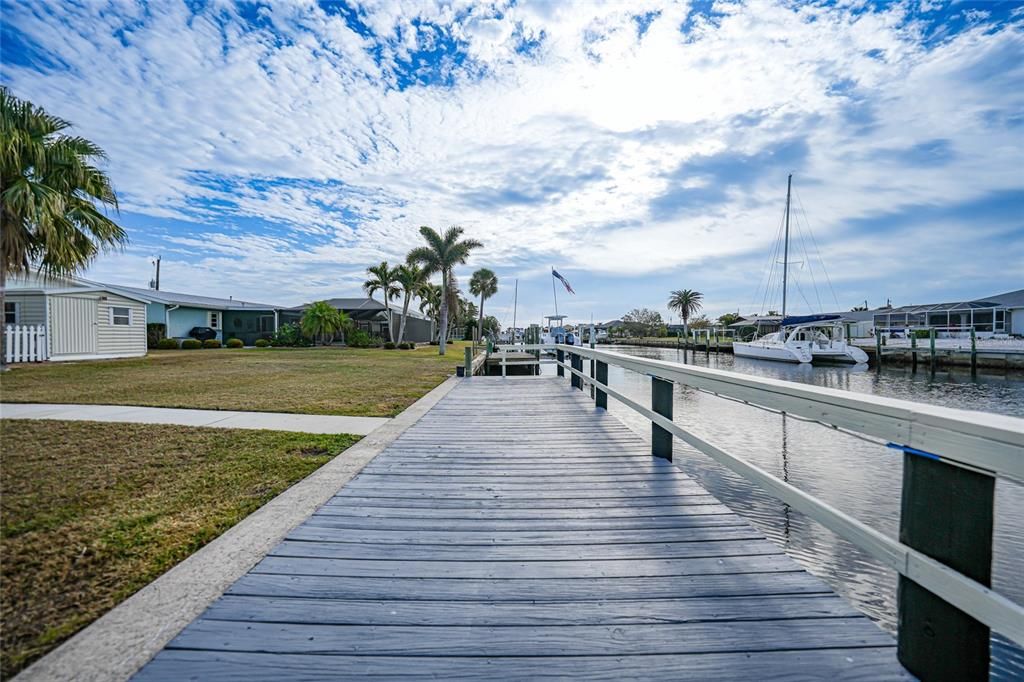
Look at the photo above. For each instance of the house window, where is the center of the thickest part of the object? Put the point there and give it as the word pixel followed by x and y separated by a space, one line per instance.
pixel 120 316
pixel 11 312
pixel 214 320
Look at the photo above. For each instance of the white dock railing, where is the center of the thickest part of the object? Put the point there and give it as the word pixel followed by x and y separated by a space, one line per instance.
pixel 954 443
pixel 25 343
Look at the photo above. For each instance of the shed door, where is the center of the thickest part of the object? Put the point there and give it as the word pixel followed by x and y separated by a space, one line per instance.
pixel 73 325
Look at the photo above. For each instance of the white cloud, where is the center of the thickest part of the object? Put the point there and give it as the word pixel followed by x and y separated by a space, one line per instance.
pixel 292 117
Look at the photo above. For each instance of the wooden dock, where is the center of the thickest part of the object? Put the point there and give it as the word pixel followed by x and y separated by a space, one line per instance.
pixel 517 532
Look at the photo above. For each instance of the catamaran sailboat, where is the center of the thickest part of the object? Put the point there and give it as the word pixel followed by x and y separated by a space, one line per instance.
pixel 810 338
pixel 820 339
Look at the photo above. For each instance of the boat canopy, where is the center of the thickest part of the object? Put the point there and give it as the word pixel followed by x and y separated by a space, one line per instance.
pixel 807 319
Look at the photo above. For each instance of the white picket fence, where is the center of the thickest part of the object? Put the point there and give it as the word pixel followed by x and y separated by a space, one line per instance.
pixel 25 343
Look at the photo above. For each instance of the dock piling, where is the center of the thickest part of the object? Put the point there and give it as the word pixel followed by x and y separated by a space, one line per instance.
pixel 469 362
pixel 974 352
pixel 560 356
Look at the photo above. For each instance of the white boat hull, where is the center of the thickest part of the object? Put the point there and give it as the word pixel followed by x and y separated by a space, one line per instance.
pixel 845 355
pixel 770 350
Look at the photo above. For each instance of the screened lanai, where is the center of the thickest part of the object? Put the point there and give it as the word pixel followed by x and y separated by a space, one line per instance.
pixel 950 318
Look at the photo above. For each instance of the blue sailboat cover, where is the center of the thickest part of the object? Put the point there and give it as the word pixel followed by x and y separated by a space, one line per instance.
pixel 807 319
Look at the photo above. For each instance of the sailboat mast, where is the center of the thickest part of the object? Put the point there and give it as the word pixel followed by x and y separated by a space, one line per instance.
pixel 785 252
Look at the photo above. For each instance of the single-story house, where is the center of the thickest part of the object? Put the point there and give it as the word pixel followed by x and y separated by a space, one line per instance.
pixel 373 317
pixel 80 321
pixel 999 315
pixel 747 327
pixel 229 317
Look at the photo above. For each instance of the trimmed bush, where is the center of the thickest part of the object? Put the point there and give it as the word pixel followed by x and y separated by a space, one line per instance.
pixel 290 335
pixel 211 343
pixel 168 344
pixel 389 345
pixel 262 343
pixel 235 343
pixel 407 345
pixel 191 344
pixel 155 331
pixel 357 338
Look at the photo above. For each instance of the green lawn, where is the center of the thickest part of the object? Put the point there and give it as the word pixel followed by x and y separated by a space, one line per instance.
pixel 363 382
pixel 91 512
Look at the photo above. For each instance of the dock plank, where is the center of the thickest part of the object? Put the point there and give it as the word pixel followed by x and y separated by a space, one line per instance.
pixel 516 532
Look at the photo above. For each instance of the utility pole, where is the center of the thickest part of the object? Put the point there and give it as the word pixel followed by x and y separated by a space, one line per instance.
pixel 155 283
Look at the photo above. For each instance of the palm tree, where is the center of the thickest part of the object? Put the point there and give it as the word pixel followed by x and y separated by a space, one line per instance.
pixel 430 303
pixel 49 191
pixel 483 283
pixel 441 254
pixel 322 320
pixel 411 279
pixel 686 302
pixel 382 278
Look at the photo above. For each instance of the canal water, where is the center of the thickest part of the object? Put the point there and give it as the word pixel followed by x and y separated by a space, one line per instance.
pixel 859 477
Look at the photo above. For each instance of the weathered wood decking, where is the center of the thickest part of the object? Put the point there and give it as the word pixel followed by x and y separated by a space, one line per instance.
pixel 517 532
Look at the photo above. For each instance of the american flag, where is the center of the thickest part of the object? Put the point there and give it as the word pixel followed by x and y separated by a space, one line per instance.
pixel 563 280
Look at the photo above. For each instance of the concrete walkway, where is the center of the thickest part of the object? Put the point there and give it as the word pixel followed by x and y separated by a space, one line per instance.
pixel 274 421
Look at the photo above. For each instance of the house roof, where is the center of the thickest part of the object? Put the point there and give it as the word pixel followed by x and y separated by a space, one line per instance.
pixel 361 307
pixel 191 300
pixel 1011 299
pixel 754 320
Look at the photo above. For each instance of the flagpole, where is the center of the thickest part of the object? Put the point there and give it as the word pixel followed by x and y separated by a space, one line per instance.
pixel 554 291
pixel 515 305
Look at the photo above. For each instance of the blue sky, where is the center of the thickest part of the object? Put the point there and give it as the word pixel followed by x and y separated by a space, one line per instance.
pixel 271 151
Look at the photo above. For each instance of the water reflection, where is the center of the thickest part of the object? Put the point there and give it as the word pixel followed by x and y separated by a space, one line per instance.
pixel 859 477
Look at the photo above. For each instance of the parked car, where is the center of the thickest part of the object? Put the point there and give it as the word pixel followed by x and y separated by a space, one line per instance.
pixel 203 333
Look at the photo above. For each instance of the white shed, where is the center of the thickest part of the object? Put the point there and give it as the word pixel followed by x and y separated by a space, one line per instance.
pixel 79 322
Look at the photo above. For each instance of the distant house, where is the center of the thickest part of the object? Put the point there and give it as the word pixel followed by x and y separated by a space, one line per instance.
pixel 747 327
pixel 996 315
pixel 82 320
pixel 373 317
pixel 229 317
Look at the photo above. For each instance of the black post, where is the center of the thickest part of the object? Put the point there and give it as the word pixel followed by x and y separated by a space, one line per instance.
pixel 601 399
pixel 577 364
pixel 661 402
pixel 946 513
pixel 560 356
